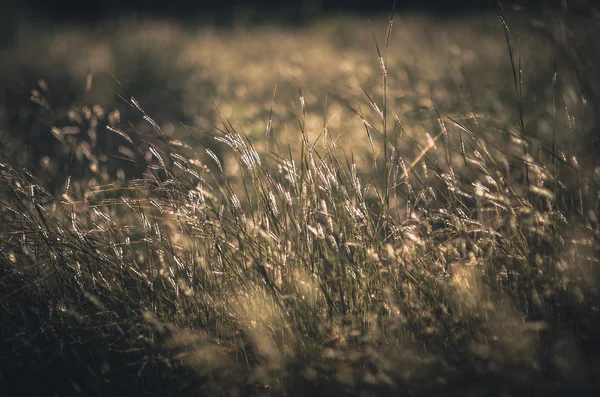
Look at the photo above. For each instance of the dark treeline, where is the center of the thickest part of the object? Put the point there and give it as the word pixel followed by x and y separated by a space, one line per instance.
pixel 226 11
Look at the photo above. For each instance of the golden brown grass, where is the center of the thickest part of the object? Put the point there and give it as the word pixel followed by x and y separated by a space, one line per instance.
pixel 391 222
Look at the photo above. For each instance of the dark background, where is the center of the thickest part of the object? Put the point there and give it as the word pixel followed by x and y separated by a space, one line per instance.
pixel 227 11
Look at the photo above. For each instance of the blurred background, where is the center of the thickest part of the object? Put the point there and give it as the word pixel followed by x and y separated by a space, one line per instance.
pixel 190 63
pixel 230 11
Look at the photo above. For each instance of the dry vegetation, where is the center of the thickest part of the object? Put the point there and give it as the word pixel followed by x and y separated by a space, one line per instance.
pixel 340 209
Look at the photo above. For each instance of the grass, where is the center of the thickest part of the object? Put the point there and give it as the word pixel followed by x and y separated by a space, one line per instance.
pixel 422 244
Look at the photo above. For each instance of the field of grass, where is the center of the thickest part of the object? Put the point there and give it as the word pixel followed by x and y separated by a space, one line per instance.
pixel 350 208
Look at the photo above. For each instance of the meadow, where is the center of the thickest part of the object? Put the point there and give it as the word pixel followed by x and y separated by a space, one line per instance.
pixel 396 206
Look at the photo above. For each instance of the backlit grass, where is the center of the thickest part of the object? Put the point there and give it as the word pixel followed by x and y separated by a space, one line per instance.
pixel 316 212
